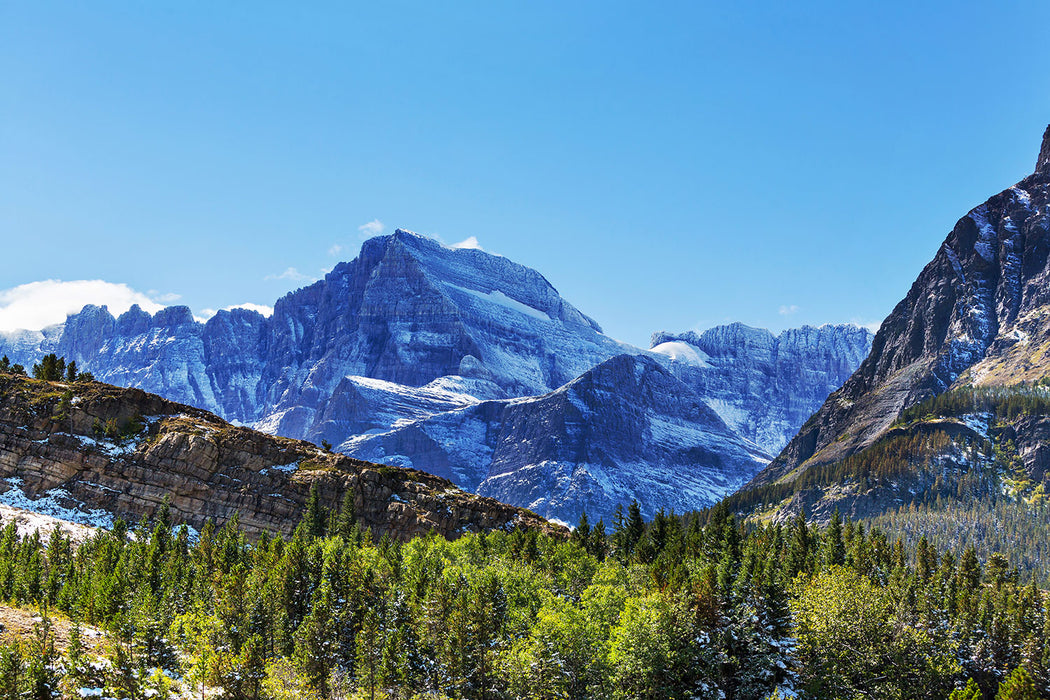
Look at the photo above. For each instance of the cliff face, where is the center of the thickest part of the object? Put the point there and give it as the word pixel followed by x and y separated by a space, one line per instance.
pixel 765 386
pixel 97 451
pixel 978 307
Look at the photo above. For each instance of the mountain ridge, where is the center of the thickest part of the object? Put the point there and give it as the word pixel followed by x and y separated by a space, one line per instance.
pixel 413 333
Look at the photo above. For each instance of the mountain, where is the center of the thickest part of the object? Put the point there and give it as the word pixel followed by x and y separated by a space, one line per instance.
pixel 976 317
pixel 412 340
pixel 765 386
pixel 89 452
pixel 625 429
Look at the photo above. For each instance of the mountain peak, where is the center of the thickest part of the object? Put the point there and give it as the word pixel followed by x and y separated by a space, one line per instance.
pixel 1043 164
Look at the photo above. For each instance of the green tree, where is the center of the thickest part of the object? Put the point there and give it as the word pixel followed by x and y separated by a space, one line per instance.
pixel 851 646
pixel 971 692
pixel 1017 686
pixel 51 368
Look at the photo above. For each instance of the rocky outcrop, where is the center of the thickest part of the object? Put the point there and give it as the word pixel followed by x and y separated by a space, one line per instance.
pixel 982 294
pixel 765 386
pixel 100 450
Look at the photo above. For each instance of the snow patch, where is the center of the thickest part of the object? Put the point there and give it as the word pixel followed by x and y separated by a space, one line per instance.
pixel 683 352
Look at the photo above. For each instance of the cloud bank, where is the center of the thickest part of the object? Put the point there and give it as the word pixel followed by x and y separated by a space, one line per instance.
pixel 37 305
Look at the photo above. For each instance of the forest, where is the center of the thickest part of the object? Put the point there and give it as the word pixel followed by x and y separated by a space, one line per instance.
pixel 680 607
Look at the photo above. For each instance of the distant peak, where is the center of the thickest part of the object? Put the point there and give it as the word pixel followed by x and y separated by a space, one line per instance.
pixel 1043 164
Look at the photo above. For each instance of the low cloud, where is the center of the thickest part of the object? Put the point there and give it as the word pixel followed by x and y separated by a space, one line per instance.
pixel 37 305
pixel 788 310
pixel 290 274
pixel 470 242
pixel 375 227
pixel 335 250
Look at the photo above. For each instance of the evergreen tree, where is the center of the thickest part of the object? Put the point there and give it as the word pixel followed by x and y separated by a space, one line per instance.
pixel 313 516
pixel 1017 686
pixel 51 368
pixel 834 547
pixel 971 692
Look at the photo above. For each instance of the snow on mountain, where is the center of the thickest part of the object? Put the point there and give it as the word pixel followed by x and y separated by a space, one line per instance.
pixel 625 429
pixel 765 386
pixel 418 353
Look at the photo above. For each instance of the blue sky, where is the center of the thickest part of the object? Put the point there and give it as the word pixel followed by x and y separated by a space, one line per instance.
pixel 665 166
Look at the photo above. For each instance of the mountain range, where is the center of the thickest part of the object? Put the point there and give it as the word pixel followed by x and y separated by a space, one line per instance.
pixel 470 366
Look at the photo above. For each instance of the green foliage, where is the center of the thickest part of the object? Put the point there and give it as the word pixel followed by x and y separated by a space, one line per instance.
pixel 51 369
pixel 972 691
pixel 1017 686
pixel 674 608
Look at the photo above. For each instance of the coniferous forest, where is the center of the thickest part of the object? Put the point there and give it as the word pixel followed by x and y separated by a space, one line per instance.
pixel 693 607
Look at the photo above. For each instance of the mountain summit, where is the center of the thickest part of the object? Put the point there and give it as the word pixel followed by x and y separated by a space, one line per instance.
pixel 977 316
pixel 471 366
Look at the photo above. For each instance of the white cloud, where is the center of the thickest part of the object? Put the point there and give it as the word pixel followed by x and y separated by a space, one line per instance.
pixel 205 314
pixel 375 227
pixel 167 298
pixel 290 274
pixel 872 326
pixel 470 242
pixel 787 310
pixel 335 250
pixel 37 305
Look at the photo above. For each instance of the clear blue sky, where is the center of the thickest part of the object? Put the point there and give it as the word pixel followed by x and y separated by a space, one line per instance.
pixel 666 166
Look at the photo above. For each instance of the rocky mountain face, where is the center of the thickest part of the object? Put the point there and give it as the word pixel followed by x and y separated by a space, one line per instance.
pixel 765 386
pixel 415 353
pixel 626 429
pixel 976 315
pixel 87 452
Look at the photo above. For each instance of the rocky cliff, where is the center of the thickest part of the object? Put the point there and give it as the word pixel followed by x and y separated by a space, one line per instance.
pixel 975 315
pixel 91 452
pixel 765 386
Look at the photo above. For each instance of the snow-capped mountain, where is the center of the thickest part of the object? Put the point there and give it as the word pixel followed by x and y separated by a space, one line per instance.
pixel 625 429
pixel 428 354
pixel 765 386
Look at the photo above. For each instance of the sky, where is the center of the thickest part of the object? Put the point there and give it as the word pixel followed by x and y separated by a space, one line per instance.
pixel 667 166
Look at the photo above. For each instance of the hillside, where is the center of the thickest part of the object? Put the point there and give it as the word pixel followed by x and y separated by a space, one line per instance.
pixel 943 431
pixel 91 452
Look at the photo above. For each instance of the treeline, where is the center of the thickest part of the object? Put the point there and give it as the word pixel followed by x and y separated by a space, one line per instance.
pixel 51 368
pixel 989 524
pixel 899 459
pixel 667 609
pixel 1005 403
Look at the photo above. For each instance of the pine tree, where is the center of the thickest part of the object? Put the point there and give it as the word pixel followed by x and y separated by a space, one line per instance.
pixel 313 515
pixel 12 668
pixel 971 692
pixel 582 533
pixel 834 548
pixel 347 515
pixel 315 643
pixel 1017 686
